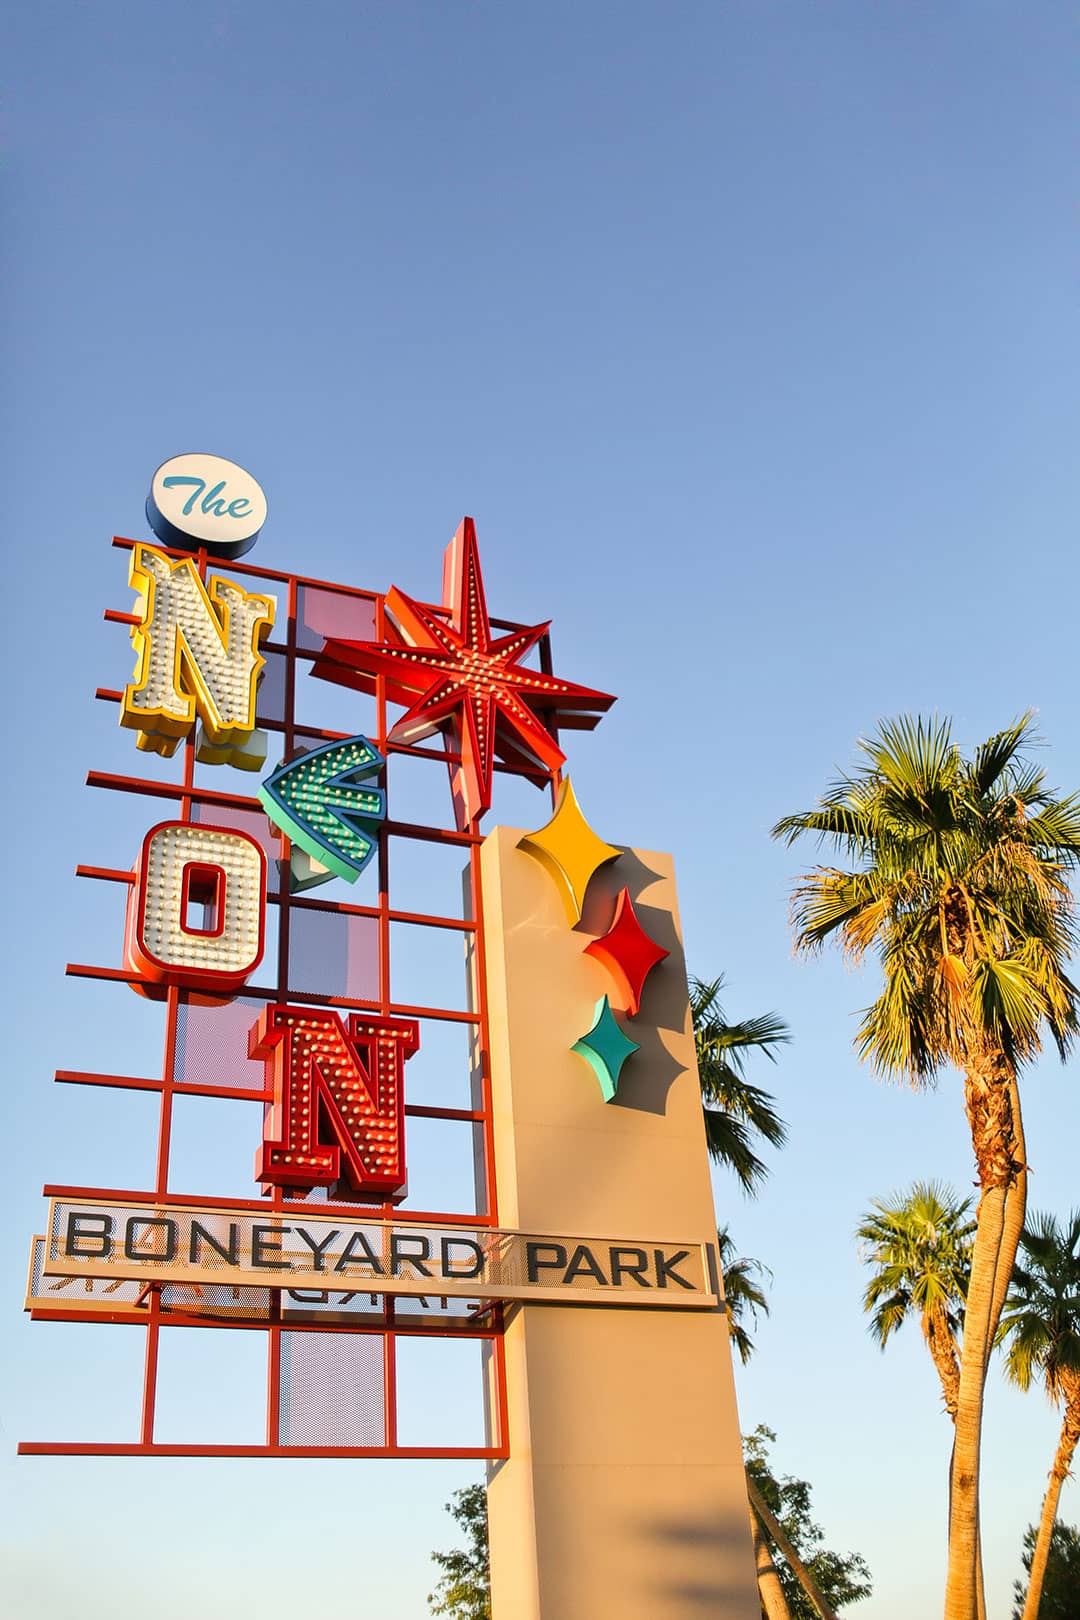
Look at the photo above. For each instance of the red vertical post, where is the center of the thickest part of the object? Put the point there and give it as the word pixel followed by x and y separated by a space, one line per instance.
pixel 273 1336
pixel 390 1388
pixel 387 1209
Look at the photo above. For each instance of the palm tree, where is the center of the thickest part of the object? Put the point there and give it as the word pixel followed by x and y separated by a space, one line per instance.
pixel 735 1111
pixel 1041 1326
pixel 956 876
pixel 919 1244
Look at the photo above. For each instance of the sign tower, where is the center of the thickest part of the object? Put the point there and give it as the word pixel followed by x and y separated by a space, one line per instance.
pixel 584 1273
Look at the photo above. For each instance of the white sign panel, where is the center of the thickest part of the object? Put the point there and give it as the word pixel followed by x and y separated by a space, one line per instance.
pixel 200 500
pixel 204 1243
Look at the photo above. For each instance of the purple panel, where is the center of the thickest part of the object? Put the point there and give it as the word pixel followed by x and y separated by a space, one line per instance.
pixel 333 954
pixel 330 613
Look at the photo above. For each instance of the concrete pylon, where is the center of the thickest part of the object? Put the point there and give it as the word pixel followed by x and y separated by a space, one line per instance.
pixel 624 1494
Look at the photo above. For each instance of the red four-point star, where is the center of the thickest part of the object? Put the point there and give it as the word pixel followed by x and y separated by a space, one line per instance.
pixel 454 677
pixel 628 953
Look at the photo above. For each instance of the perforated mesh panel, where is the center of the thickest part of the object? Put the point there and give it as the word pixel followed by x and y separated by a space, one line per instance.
pixel 212 1044
pixel 332 1305
pixel 322 613
pixel 332 1390
pixel 333 954
pixel 217 1301
pixel 270 694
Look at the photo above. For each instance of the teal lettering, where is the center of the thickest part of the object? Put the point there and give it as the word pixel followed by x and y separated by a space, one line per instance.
pixel 211 505
pixel 237 508
pixel 200 485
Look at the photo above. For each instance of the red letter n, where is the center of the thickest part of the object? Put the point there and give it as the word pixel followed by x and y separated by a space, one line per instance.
pixel 338 1111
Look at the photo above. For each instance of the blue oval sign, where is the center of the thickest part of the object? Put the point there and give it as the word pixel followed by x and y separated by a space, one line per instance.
pixel 200 500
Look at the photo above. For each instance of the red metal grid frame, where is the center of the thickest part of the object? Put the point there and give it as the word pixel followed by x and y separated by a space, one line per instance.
pixel 488 1329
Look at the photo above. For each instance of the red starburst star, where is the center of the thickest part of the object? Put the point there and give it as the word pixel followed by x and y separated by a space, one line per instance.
pixel 454 677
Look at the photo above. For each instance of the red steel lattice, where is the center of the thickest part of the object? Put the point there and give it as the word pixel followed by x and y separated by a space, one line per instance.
pixel 158 1306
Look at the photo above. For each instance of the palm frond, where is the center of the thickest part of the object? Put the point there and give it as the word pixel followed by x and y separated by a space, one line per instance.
pixel 737 1113
pixel 1041 1321
pixel 999 752
pixel 955 872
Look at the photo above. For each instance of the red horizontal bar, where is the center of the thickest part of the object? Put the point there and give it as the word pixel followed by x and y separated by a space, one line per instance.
pixel 235 567
pixel 168 790
pixel 429 1111
pixel 422 919
pixel 306 998
pixel 127 1082
pixel 115 874
pixel 415 1327
pixel 112 694
pixel 85 1448
pixel 237 801
pixel 360 1212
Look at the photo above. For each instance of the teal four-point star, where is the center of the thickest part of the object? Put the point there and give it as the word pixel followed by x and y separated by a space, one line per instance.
pixel 605 1049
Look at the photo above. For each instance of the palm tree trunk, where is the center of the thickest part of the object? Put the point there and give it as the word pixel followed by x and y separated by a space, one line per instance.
pixel 1012 1226
pixel 961 1585
pixel 989 1089
pixel 798 1568
pixel 1015 1213
pixel 980 1588
pixel 770 1591
pixel 1070 1433
pixel 945 1356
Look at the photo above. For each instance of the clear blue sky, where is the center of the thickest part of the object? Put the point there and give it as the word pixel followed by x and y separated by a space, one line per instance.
pixel 747 334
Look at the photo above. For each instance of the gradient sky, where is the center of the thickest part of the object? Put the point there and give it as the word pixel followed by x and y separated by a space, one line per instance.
pixel 747 334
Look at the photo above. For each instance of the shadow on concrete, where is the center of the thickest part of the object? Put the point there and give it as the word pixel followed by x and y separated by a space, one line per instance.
pixel 729 1589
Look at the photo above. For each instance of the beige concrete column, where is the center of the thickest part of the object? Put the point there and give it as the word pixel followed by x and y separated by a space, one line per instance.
pixel 623 1497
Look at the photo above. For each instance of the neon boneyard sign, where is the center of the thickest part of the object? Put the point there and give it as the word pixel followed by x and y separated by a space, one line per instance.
pixel 196 915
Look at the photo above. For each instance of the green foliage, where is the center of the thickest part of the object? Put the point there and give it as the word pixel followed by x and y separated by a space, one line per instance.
pixel 1061 1588
pixel 1041 1320
pixel 919 1243
pixel 743 1292
pixel 736 1112
pixel 464 1588
pixel 842 1577
pixel 955 873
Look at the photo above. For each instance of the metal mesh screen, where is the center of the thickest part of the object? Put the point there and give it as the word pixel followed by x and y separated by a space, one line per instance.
pixel 332 953
pixel 212 1044
pixel 322 613
pixel 333 1389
